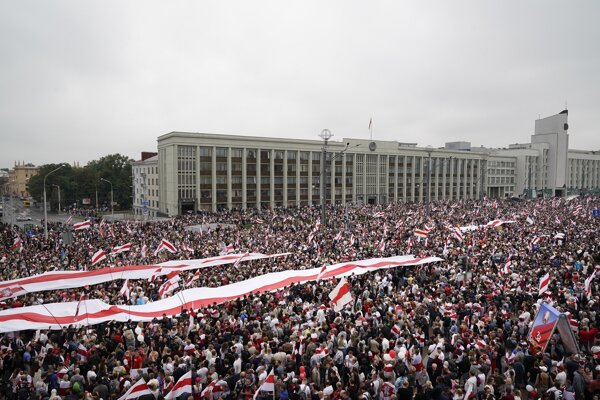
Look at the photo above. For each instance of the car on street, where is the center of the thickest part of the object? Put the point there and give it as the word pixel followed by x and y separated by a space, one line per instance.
pixel 23 217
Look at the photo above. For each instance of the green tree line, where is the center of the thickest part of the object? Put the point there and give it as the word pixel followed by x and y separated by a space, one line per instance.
pixel 78 183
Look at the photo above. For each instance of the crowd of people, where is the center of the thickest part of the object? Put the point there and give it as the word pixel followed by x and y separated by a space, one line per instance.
pixel 454 329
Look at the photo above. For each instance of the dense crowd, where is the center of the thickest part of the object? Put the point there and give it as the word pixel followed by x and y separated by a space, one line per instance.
pixel 455 329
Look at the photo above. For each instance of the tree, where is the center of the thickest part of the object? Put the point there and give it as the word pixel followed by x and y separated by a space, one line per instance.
pixel 78 183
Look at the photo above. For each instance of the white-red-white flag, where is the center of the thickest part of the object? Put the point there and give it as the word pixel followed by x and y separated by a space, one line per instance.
pixel 340 295
pixel 125 290
pixel 82 225
pixel 588 285
pixel 183 385
pixel 165 245
pixel 421 232
pixel 121 249
pixel 338 237
pixel 136 390
pixel 82 351
pixel 408 245
pixel 544 283
pixel 207 391
pixel 352 240
pixel 144 250
pixel 98 256
pixel 69 220
pixel 170 285
pixel 268 385
pixel 457 233
pixel 192 278
pixel 381 246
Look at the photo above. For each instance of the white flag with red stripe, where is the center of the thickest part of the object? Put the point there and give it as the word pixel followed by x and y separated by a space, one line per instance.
pixel 136 390
pixel 381 246
pixel 588 285
pixel 544 283
pixel 82 351
pixel 457 233
pixel 121 249
pixel 421 232
pixel 69 220
pixel 208 389
pixel 340 295
pixel 183 385
pixel 125 290
pixel 165 245
pixel 408 245
pixel 338 237
pixel 170 285
pixel 268 385
pixel 82 225
pixel 98 256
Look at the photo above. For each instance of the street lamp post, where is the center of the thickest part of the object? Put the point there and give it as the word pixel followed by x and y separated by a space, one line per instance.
pixel 112 209
pixel 58 186
pixel 428 192
pixel 45 206
pixel 325 135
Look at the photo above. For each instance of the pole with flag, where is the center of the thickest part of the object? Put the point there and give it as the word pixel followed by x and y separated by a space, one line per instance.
pixel 371 128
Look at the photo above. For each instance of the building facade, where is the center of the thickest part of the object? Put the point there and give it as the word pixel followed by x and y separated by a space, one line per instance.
pixel 547 167
pixel 145 186
pixel 18 179
pixel 202 171
pixel 199 171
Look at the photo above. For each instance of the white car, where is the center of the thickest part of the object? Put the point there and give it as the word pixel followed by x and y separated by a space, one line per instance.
pixel 23 217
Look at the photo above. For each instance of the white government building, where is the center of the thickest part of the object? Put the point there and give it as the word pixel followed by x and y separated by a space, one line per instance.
pixel 202 171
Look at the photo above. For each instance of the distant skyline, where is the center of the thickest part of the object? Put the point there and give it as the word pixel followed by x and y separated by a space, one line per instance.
pixel 80 80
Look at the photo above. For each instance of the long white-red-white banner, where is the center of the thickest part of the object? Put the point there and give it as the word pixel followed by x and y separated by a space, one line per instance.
pixel 91 312
pixel 55 280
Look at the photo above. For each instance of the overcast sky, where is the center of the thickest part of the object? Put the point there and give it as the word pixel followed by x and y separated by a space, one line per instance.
pixel 82 79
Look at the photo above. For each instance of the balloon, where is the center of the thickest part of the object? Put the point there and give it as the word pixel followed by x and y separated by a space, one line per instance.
pixel 302 375
pixel 302 369
pixel 393 354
